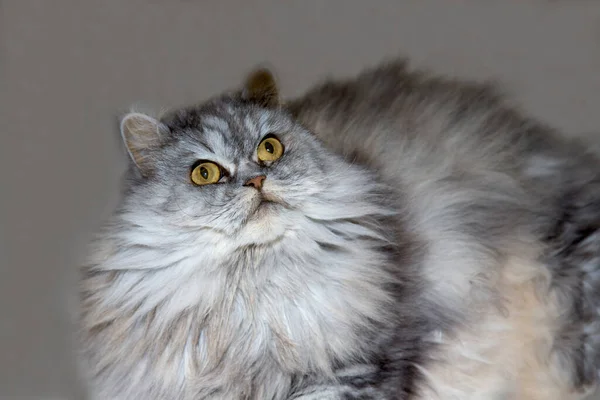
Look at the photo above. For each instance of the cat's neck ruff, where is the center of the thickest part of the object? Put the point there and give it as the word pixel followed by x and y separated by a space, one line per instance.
pixel 290 294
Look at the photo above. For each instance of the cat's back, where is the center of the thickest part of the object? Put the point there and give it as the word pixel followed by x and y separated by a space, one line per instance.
pixel 486 187
pixel 391 117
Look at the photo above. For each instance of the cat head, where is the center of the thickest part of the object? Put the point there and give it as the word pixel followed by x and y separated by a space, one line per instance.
pixel 237 168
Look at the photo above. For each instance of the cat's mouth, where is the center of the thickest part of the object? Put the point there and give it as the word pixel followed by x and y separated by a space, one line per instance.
pixel 266 197
pixel 268 202
pixel 266 205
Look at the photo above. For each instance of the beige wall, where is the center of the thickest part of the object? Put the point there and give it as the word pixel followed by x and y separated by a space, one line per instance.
pixel 68 67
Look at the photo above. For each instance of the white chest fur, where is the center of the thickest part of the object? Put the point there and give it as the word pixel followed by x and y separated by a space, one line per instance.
pixel 240 323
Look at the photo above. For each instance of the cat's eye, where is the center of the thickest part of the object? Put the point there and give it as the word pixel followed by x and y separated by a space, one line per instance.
pixel 205 173
pixel 269 149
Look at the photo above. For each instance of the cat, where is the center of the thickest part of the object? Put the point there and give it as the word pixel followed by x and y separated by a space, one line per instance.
pixel 396 235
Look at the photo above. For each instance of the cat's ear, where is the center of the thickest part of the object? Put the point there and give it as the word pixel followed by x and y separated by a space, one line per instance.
pixel 261 88
pixel 142 134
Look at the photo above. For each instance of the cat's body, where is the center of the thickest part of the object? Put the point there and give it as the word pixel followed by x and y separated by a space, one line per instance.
pixel 437 245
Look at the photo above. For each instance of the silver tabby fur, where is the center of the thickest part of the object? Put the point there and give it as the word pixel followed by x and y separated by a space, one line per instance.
pixel 398 201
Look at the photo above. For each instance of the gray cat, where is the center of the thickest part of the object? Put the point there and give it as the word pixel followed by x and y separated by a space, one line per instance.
pixel 392 236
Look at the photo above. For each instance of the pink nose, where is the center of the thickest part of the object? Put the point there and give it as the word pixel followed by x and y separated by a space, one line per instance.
pixel 257 181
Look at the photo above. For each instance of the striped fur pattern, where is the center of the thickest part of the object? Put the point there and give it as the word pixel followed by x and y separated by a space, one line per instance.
pixel 419 239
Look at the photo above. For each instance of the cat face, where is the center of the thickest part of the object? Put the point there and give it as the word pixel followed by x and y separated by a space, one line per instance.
pixel 241 170
pixel 250 196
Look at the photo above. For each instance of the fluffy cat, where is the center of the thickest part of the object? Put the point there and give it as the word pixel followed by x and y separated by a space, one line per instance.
pixel 391 236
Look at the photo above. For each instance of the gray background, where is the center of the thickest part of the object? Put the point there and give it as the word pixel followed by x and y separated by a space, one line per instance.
pixel 68 68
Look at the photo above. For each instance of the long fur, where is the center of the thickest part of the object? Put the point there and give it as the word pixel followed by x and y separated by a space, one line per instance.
pixel 423 240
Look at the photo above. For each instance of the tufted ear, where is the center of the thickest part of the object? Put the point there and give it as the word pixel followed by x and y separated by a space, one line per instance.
pixel 261 88
pixel 142 134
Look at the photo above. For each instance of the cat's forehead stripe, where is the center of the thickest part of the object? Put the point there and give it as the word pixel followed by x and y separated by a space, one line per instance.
pixel 263 119
pixel 250 123
pixel 215 139
pixel 215 123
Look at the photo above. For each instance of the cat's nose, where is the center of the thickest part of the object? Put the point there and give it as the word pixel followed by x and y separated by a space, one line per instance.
pixel 256 182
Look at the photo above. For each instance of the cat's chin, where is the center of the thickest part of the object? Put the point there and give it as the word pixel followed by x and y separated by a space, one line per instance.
pixel 266 224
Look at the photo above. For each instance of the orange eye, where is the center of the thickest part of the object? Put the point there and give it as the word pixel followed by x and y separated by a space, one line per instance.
pixel 205 173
